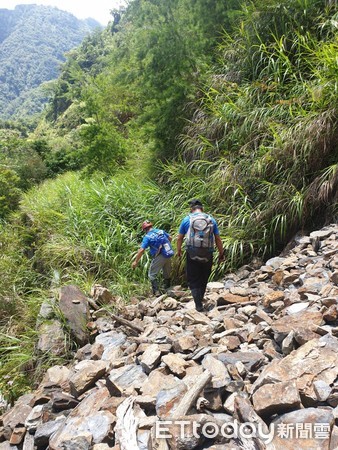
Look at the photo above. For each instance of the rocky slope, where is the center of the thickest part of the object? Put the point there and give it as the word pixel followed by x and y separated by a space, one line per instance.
pixel 258 370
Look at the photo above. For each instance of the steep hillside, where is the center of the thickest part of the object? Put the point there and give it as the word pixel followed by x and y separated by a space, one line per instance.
pixel 33 40
pixel 235 104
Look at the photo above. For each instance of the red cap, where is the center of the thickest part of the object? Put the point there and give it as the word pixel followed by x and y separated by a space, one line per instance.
pixel 146 224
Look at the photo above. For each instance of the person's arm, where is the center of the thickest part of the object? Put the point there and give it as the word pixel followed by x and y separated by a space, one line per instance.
pixel 181 233
pixel 180 238
pixel 219 245
pixel 138 257
pixel 168 236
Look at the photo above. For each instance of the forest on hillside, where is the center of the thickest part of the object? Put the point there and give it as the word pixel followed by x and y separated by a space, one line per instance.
pixel 231 102
pixel 33 42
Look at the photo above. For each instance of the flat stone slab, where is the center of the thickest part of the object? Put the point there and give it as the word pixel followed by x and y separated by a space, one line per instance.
pixel 315 360
pixel 220 375
pixel 157 381
pixel 86 422
pixel 251 360
pixel 322 234
pixel 85 374
pixel 176 364
pixel 303 320
pixel 51 338
pixel 232 298
pixel 19 413
pixel 168 399
pixel 74 307
pixel 125 378
pixel 150 358
pixel 307 428
pixel 276 398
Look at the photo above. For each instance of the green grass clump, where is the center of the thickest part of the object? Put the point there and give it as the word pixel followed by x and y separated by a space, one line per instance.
pixel 88 230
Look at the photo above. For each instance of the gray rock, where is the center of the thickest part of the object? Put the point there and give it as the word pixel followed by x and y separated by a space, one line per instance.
pixel 288 343
pixel 74 307
pixel 101 447
pixel 84 352
pixel 296 307
pixel 62 401
pixel 87 422
pixel 28 443
pixel 275 263
pixel 81 442
pixel 322 234
pixel 19 413
pixel 46 310
pixel 125 378
pixel 51 338
pixel 322 390
pixel 7 446
pixel 188 439
pixel 34 418
pixel 168 399
pixel 109 340
pixel 251 360
pixel 45 430
pixel 215 285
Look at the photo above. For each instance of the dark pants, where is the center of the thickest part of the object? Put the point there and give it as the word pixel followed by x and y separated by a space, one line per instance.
pixel 197 277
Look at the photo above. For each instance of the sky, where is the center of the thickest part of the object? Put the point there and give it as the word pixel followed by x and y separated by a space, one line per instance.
pixel 82 9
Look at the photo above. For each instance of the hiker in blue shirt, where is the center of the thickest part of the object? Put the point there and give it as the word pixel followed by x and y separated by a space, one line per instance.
pixel 160 250
pixel 201 232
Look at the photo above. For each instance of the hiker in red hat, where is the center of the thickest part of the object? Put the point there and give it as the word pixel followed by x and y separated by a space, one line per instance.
pixel 160 250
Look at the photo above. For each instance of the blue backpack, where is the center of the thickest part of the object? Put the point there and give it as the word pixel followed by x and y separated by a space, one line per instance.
pixel 160 241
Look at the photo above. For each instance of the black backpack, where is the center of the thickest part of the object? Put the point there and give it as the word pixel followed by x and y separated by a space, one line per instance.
pixel 200 237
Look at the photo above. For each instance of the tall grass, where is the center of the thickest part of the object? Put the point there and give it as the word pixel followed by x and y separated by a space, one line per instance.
pixel 264 135
pixel 89 229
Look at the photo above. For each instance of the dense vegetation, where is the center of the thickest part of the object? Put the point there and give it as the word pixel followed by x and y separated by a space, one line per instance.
pixel 33 40
pixel 232 102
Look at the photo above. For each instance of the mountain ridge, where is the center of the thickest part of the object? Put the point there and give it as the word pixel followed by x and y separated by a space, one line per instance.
pixel 33 41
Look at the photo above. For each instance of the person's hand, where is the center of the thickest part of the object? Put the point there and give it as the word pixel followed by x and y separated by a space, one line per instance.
pixel 179 253
pixel 134 264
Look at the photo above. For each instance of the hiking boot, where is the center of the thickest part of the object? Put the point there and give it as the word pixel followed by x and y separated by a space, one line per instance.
pixel 155 288
pixel 196 294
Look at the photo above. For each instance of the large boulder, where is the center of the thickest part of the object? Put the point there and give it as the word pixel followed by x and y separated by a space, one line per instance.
pixel 74 307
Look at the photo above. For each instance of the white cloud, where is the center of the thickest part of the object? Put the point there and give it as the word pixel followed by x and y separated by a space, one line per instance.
pixel 97 9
